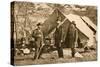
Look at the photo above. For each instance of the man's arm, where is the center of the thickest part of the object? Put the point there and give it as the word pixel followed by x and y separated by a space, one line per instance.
pixel 33 33
pixel 62 36
pixel 42 38
pixel 76 37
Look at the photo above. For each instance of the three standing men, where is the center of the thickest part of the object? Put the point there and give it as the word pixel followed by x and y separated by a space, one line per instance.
pixel 73 36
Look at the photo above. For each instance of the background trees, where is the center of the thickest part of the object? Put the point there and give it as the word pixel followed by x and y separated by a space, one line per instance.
pixel 28 14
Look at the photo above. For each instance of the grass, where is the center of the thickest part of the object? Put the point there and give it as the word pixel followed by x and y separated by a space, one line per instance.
pixel 52 57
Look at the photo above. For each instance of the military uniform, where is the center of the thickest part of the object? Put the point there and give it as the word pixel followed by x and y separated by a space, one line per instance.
pixel 38 36
pixel 72 37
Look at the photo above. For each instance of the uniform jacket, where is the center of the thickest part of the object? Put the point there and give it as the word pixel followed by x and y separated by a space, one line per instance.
pixel 38 36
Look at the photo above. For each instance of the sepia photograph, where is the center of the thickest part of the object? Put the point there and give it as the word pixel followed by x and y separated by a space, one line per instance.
pixel 52 33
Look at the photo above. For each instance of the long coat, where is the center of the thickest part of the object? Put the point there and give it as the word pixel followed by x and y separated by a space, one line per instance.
pixel 72 36
pixel 58 36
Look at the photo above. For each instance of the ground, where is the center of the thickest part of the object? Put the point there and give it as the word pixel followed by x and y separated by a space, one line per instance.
pixel 52 57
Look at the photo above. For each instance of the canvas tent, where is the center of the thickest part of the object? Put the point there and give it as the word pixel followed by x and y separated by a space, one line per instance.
pixel 85 33
pixel 89 23
pixel 50 23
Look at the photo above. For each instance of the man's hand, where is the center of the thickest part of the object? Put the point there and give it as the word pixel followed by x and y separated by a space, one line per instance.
pixel 76 44
pixel 61 41
pixel 43 44
pixel 32 39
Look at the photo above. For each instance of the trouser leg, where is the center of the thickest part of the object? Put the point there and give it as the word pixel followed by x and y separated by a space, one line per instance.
pixel 40 53
pixel 60 52
pixel 73 52
pixel 36 53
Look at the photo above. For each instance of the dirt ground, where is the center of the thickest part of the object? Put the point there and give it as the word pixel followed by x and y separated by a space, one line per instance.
pixel 52 57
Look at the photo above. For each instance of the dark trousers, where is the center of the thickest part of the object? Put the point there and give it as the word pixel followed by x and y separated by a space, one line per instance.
pixel 38 48
pixel 60 52
pixel 38 53
pixel 73 52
